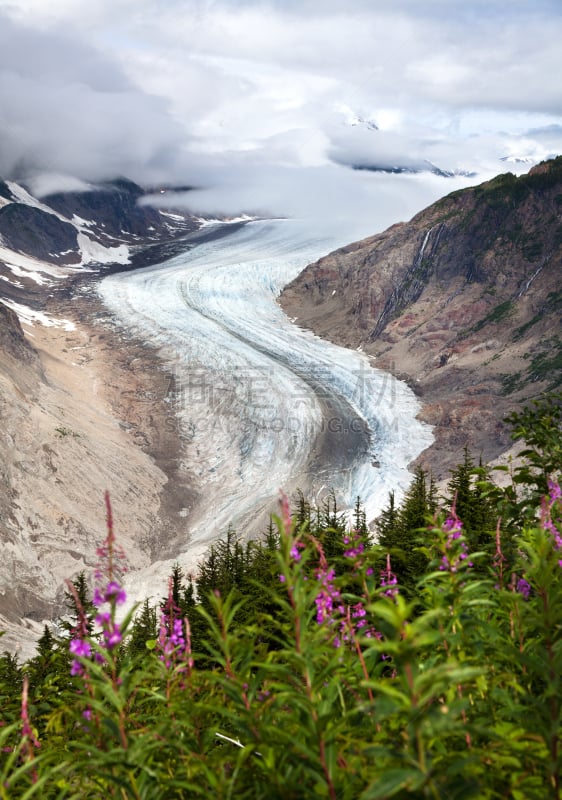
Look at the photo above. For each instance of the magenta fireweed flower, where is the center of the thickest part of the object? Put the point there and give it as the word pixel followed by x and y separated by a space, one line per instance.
pixel 456 548
pixel 326 596
pixel 389 579
pixel 551 514
pixel 357 546
pixel 113 593
pixel 330 611
pixel 524 588
pixel 108 591
pixel 344 621
pixel 295 550
pixel 174 637
pixel 111 633
pixel 80 647
pixel 355 552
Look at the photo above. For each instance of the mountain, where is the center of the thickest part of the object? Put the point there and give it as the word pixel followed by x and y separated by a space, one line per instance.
pixel 82 409
pixel 463 302
pixel 46 239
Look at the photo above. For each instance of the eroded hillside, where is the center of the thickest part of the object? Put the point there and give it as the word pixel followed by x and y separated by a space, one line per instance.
pixel 464 302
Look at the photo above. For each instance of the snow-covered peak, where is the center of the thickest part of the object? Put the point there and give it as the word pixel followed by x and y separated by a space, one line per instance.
pixel 354 120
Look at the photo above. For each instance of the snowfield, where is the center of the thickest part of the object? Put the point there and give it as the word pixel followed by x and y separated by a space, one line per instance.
pixel 261 404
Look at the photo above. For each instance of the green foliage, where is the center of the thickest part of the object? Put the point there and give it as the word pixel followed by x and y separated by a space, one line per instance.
pixel 318 670
pixel 539 426
pixel 497 314
pixel 401 532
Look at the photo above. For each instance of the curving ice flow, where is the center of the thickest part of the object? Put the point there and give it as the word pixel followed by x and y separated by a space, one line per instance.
pixel 261 404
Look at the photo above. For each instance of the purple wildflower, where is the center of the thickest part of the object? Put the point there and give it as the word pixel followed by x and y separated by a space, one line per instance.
pixel 355 551
pixel 296 547
pixel 174 643
pixel 29 740
pixel 80 647
pixel 551 514
pixel 524 588
pixel 456 548
pixel 113 593
pixel 326 596
pixel 389 579
pixel 107 590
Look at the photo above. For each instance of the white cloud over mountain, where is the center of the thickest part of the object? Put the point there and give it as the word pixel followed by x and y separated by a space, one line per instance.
pixel 242 94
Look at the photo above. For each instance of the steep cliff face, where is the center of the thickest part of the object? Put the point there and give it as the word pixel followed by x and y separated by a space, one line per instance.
pixel 464 301
pixel 13 344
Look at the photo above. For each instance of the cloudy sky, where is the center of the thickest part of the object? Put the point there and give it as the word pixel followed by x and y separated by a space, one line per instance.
pixel 268 104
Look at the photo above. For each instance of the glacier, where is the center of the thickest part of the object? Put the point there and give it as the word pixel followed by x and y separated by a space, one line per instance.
pixel 262 405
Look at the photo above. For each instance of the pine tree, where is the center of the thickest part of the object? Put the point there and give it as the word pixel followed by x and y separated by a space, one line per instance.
pixel 331 528
pixel 399 531
pixel 77 607
pixel 145 628
pixel 303 513
pixel 472 504
pixel 386 523
pixel 43 663
pixel 360 522
pixel 11 679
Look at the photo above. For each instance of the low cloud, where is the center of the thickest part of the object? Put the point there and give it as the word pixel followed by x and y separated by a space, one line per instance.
pixel 329 198
pixel 68 109
pixel 268 105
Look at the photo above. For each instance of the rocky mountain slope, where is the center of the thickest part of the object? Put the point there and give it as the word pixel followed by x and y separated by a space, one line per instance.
pixel 45 239
pixel 464 302
pixel 81 410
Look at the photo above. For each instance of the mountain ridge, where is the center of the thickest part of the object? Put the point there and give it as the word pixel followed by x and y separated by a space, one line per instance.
pixel 462 301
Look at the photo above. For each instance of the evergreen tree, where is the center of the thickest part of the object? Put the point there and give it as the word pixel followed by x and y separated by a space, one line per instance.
pixel 399 532
pixel 539 426
pixel 302 515
pixel 331 528
pixel 11 679
pixel 82 605
pixel 43 663
pixel 387 522
pixel 472 504
pixel 360 522
pixel 145 628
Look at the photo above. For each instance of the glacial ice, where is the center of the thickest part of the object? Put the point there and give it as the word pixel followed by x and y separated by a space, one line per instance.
pixel 255 394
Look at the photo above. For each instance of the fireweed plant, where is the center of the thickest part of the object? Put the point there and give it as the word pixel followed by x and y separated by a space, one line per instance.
pixel 360 692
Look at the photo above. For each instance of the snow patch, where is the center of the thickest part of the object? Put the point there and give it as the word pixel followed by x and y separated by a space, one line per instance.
pixel 82 223
pixel 16 284
pixel 27 267
pixel 168 214
pixel 27 199
pixel 206 221
pixel 94 252
pixel 28 316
